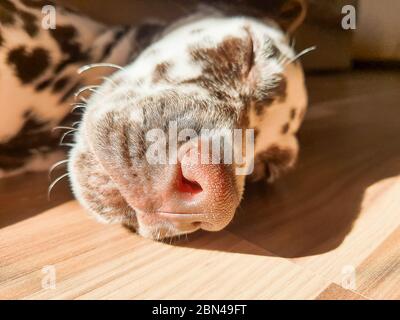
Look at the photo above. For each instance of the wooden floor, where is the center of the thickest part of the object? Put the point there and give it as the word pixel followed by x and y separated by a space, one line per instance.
pixel 328 230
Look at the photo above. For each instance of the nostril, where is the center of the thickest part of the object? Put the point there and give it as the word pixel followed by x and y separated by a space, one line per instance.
pixel 189 186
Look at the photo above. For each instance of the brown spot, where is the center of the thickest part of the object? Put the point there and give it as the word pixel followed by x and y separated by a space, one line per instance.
pixel 160 72
pixel 124 143
pixel 292 113
pixel 29 23
pixel 70 92
pixel 260 106
pixel 302 114
pixel 43 84
pixel 28 65
pixel 268 97
pixel 146 33
pixel 274 161
pixel 275 52
pixel 99 190
pixel 60 84
pixel 118 35
pixel 113 128
pixel 229 66
pixel 7 11
pixel 33 135
pixel 244 121
pixel 279 156
pixel 224 67
pixel 66 38
pixel 285 128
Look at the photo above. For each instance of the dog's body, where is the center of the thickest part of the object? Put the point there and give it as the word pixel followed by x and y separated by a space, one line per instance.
pixel 205 72
pixel 39 74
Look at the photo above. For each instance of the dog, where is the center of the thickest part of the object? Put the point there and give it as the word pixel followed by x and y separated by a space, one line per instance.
pixel 208 72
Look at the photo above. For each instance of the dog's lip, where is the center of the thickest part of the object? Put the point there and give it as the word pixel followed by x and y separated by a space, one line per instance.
pixel 180 214
pixel 187 218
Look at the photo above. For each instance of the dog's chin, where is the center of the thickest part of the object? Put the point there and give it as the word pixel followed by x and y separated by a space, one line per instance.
pixel 163 231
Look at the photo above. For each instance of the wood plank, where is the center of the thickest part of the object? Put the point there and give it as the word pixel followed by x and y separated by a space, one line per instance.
pixel 25 195
pixel 99 261
pixel 378 276
pixel 370 229
pixel 292 239
pixel 336 292
pixel 327 213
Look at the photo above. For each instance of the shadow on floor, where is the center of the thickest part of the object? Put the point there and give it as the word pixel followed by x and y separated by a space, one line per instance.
pixel 346 146
pixel 25 195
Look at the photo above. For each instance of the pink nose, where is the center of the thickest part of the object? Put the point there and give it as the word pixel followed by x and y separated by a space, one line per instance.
pixel 202 194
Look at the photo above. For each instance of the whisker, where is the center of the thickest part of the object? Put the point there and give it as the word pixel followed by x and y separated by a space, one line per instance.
pixel 82 98
pixel 76 123
pixel 67 133
pixel 97 91
pixel 75 103
pixel 54 183
pixel 171 237
pixel 57 164
pixel 107 79
pixel 78 106
pixel 63 144
pixel 302 53
pixel 83 89
pixel 63 128
pixel 282 59
pixel 98 65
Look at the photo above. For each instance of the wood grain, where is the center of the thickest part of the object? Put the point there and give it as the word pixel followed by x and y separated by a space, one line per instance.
pixel 97 261
pixel 336 292
pixel 343 199
pixel 378 276
pixel 339 208
pixel 25 195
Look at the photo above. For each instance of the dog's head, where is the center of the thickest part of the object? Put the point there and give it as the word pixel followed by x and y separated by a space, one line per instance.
pixel 147 151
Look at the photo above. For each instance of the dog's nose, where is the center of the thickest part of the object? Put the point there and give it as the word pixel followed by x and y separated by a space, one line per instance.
pixel 203 194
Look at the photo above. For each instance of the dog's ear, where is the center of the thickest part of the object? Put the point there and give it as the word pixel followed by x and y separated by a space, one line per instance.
pixel 263 80
pixel 289 14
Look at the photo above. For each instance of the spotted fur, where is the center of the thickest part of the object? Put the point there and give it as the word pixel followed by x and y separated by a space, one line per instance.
pixel 38 76
pixel 235 73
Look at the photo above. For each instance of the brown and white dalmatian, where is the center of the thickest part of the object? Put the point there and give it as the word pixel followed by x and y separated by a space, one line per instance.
pixel 208 71
pixel 38 75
